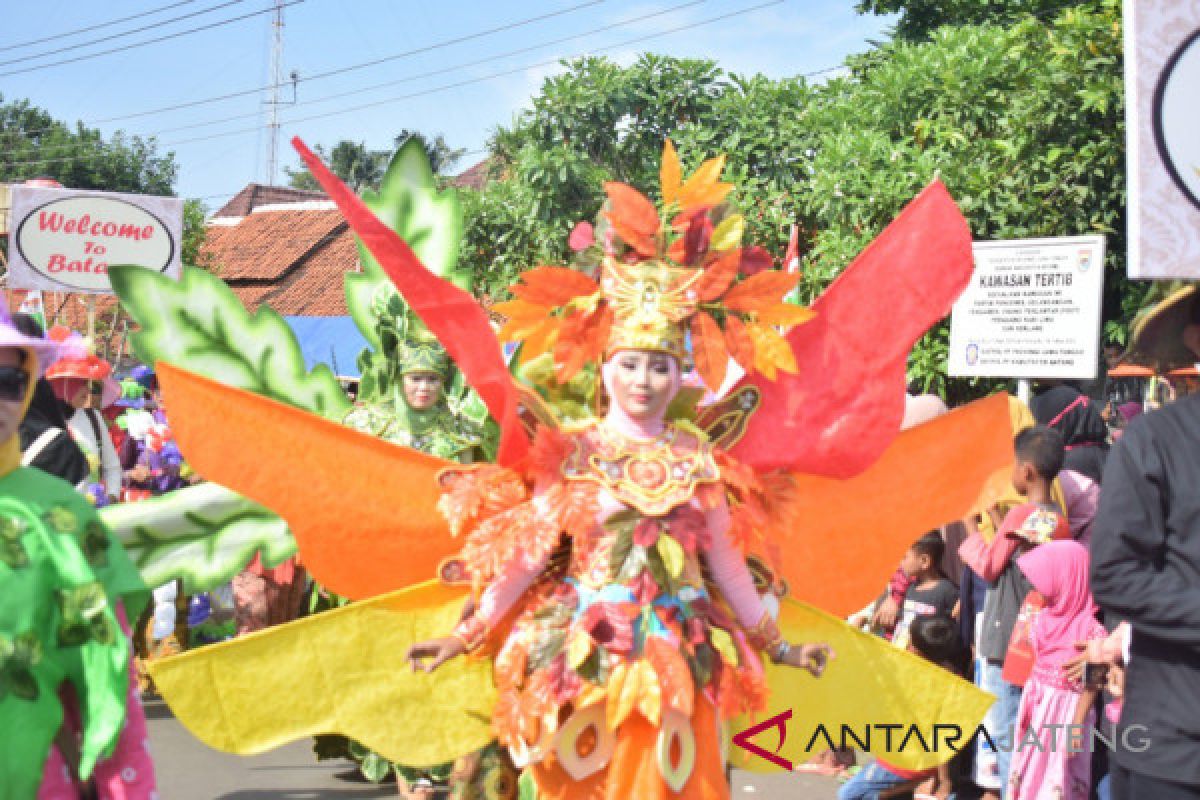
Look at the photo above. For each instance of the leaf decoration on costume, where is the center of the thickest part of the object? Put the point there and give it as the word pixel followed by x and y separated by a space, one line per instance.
pixel 678 690
pixel 18 657
pixel 738 342
pixel 728 234
pixel 670 174
pixel 717 277
pixel 771 351
pixel 785 315
pixel 553 286
pixel 633 217
pixel 12 551
pixel 96 542
pixel 708 350
pixel 199 322
pixel 704 187
pixel 203 535
pixel 764 290
pixel 61 519
pixel 83 616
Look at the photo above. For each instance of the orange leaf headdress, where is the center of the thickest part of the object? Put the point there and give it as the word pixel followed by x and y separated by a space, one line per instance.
pixel 659 284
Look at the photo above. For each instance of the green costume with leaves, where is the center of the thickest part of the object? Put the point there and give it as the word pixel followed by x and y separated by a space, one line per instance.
pixel 60 576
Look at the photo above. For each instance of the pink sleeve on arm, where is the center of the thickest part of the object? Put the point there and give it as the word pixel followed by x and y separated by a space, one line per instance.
pixel 503 593
pixel 730 573
pixel 989 560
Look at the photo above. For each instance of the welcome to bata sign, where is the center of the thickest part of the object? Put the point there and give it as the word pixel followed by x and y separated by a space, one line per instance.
pixel 63 240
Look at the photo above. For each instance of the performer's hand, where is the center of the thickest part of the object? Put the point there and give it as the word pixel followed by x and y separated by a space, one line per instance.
pixel 439 650
pixel 813 657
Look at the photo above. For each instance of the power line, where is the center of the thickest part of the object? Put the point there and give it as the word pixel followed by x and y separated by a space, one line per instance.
pixel 96 27
pixel 504 73
pixel 155 40
pixel 342 70
pixel 446 87
pixel 129 32
pixel 445 70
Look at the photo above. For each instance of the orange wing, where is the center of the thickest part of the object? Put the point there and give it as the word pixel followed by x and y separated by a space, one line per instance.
pixel 363 511
pixel 849 535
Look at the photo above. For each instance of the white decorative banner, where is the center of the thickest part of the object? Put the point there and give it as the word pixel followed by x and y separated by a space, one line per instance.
pixel 64 239
pixel 1032 310
pixel 1162 86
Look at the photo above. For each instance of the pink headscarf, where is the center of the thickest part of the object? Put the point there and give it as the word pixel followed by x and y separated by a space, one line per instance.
pixel 1059 572
pixel 1082 495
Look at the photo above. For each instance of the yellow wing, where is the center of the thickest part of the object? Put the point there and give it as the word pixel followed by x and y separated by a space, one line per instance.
pixel 342 671
pixel 869 683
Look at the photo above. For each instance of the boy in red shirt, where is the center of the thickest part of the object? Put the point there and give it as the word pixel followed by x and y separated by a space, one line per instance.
pixel 1039 457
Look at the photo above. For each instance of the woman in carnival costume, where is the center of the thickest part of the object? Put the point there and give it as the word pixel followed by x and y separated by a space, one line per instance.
pixel 608 557
pixel 645 632
pixel 65 584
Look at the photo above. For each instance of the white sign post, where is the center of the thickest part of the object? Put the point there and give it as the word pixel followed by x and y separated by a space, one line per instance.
pixel 1162 80
pixel 63 240
pixel 1032 310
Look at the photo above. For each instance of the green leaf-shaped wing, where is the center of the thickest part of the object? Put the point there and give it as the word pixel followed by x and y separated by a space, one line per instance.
pixel 203 535
pixel 199 323
pixel 408 202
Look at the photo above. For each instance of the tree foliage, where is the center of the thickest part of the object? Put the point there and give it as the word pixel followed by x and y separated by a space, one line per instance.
pixel 33 144
pixel 362 168
pixel 1021 116
pixel 919 18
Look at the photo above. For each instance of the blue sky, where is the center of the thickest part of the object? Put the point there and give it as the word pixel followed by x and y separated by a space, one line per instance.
pixel 221 146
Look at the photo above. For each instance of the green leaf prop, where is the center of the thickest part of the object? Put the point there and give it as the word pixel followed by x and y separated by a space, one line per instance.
pixel 200 324
pixel 203 534
pixel 430 221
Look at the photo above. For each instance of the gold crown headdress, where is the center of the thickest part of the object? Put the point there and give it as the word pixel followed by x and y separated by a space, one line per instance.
pixel 676 274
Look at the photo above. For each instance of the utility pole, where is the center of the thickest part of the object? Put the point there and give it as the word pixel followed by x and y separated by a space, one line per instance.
pixel 276 85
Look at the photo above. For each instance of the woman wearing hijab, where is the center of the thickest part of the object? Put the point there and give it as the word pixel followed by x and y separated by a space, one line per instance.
pixel 1084 431
pixel 45 442
pixel 1055 769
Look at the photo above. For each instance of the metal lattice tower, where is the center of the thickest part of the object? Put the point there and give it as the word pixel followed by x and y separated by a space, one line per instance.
pixel 276 85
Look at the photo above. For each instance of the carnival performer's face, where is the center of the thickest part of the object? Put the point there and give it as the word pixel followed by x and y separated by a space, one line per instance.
pixel 422 390
pixel 644 382
pixel 14 385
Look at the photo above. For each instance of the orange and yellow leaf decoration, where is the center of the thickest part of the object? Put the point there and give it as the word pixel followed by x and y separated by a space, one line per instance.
pixel 660 282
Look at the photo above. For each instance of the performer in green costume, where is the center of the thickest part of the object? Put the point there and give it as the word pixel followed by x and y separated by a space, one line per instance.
pixel 61 575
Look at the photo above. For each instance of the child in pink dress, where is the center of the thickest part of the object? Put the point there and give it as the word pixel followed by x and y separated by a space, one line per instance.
pixel 1058 570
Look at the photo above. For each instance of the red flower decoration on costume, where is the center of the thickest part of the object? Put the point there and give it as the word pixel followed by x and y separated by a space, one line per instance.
pixel 646 532
pixel 690 528
pixel 610 625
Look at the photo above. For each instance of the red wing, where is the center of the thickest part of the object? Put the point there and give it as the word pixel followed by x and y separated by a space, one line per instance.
pixel 452 314
pixel 841 411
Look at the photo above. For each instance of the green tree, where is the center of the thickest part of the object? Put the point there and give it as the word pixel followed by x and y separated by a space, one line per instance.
pixel 919 18
pixel 33 144
pixel 1023 122
pixel 362 168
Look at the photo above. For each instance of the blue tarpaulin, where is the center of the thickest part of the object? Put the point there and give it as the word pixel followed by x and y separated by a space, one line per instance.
pixel 333 341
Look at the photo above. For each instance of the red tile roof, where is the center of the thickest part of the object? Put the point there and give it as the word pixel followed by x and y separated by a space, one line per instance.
pixel 476 177
pixel 292 260
pixel 266 244
pixel 255 195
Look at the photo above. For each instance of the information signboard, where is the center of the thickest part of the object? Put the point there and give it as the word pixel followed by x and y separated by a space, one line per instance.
pixel 1032 310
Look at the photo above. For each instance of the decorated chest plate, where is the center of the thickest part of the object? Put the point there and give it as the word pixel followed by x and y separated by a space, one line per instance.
pixel 650 475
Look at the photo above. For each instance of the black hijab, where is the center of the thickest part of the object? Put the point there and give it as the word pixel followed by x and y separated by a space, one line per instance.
pixel 1084 432
pixel 61 457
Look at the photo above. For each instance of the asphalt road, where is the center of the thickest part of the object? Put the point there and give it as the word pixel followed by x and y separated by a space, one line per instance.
pixel 189 770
